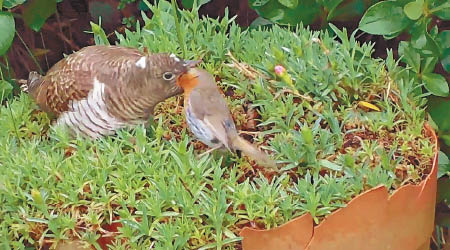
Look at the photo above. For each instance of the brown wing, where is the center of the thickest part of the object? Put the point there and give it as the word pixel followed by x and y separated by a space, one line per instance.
pixel 209 106
pixel 205 97
pixel 72 78
pixel 58 88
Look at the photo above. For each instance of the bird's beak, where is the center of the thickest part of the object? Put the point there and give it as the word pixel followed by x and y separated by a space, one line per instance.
pixel 190 72
pixel 191 63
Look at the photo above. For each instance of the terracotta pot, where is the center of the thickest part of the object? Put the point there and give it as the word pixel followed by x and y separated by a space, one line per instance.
pixel 372 220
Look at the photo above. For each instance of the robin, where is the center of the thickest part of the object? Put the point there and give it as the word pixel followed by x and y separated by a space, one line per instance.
pixel 101 89
pixel 209 118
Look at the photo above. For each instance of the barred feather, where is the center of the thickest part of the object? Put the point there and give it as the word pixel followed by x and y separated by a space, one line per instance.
pixel 100 89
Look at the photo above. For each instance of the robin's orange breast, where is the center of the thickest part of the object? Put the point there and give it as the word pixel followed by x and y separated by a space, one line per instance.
pixel 187 82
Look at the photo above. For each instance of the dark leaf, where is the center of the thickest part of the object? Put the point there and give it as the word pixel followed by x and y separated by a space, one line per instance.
pixel 443 39
pixel 445 61
pixel 142 6
pixel 258 3
pixel 307 12
pixel 347 10
pixel 434 31
pixel 37 11
pixel 331 5
pixel 443 219
pixel 439 110
pixel 419 27
pixel 444 165
pixel 384 18
pixel 444 12
pixel 190 3
pixel 426 45
pixel 418 41
pixel 107 11
pixel 12 3
pixel 414 10
pixel 428 64
pixel 289 3
pixel 7 29
pixel 443 190
pixel 436 84
pixel 409 55
pixel 5 89
pixel 391 36
pixel 259 21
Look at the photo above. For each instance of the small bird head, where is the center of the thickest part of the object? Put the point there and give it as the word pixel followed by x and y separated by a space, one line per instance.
pixel 195 77
pixel 164 69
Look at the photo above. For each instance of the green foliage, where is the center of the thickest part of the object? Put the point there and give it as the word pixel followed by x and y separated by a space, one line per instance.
pixel 444 165
pixel 279 12
pixel 55 187
pixel 289 3
pixel 443 39
pixel 293 12
pixel 123 3
pixel 37 11
pixel 414 9
pixel 7 29
pixel 34 15
pixel 99 34
pixel 5 90
pixel 435 83
pixel 191 3
pixel 427 46
pixel 177 26
pixel 384 18
pixel 439 110
pixel 12 3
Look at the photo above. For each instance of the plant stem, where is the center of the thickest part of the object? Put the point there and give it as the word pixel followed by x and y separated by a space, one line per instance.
pixel 43 44
pixel 7 103
pixel 14 122
pixel 178 28
pixel 1 74
pixel 31 54
pixel 7 67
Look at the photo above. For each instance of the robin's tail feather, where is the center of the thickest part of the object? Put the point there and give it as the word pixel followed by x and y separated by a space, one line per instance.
pixel 239 143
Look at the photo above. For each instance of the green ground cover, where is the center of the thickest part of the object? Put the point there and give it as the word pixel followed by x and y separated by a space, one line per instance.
pixel 315 120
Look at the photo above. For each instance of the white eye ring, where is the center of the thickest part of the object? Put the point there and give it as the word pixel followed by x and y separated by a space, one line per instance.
pixel 168 76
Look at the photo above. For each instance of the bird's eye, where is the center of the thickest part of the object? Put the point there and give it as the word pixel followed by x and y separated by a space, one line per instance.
pixel 168 76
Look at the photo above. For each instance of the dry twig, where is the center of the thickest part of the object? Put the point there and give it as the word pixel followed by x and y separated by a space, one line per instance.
pixel 244 68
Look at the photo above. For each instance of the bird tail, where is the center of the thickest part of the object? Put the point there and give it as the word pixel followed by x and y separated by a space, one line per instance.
pixel 33 80
pixel 239 143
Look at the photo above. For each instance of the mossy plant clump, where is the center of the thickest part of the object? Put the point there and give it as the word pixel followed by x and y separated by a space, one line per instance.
pixel 337 121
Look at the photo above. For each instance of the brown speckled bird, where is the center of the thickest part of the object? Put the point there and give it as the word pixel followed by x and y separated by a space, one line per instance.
pixel 100 89
pixel 209 118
